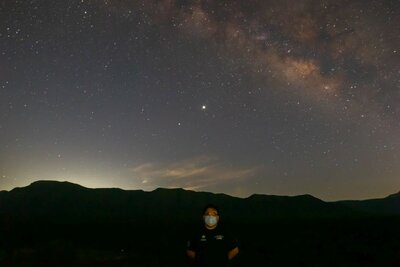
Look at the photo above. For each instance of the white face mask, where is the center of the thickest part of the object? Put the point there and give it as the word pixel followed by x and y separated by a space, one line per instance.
pixel 210 220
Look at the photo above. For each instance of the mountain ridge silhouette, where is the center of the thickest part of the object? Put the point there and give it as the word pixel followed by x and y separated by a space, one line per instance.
pixel 61 222
pixel 69 201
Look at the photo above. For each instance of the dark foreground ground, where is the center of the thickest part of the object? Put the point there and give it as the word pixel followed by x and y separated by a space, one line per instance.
pixel 355 242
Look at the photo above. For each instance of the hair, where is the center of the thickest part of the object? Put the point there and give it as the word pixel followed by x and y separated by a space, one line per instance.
pixel 212 206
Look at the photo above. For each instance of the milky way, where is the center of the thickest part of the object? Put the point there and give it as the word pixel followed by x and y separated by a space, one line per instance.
pixel 240 97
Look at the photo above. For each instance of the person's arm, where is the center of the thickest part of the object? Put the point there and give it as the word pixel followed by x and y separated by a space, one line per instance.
pixel 191 254
pixel 191 248
pixel 233 252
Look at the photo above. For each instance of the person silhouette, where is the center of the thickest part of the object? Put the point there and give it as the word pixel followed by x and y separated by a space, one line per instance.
pixel 212 246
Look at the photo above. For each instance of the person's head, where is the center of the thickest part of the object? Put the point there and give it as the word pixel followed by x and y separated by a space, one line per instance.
pixel 210 216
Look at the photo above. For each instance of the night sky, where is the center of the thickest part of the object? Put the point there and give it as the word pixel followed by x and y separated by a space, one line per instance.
pixel 240 97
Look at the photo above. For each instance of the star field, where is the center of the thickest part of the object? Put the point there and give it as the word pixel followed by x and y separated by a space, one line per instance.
pixel 239 97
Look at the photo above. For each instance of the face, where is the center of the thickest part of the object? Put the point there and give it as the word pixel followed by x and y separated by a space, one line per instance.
pixel 210 212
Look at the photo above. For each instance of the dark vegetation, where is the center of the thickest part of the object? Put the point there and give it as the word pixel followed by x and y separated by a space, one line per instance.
pixel 63 224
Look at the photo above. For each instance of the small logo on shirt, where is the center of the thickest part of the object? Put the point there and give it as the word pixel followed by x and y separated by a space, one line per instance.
pixel 219 237
pixel 203 238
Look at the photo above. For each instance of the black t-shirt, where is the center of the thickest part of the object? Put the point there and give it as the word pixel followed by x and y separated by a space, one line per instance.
pixel 212 247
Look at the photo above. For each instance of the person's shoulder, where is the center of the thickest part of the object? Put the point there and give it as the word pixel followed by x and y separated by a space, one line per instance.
pixel 196 231
pixel 225 230
pixel 230 237
pixel 229 233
